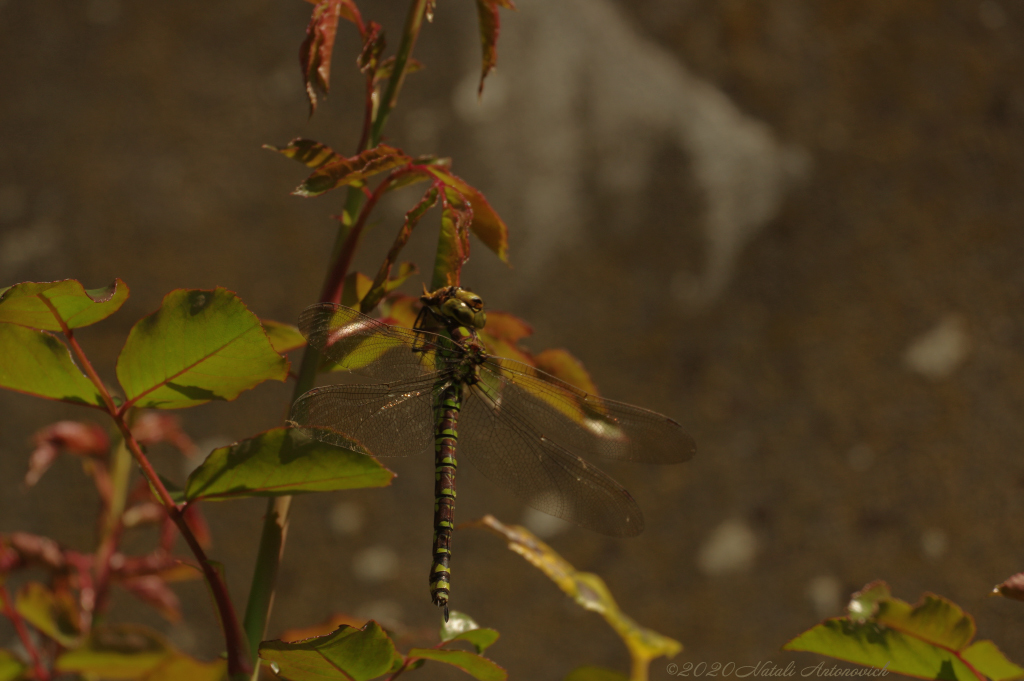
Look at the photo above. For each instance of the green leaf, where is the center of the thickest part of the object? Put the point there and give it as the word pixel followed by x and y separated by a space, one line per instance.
pixel 990 661
pixel 340 172
pixel 37 363
pixel 592 673
pixel 357 285
pixel 116 652
pixel 486 224
pixel 279 462
pixel 181 667
pixel 39 305
pixel 132 651
pixel 10 666
pixel 315 53
pixel 199 346
pixel 930 640
pixel 53 614
pixel 490 26
pixel 481 639
pixel 453 240
pixel 476 666
pixel 310 153
pixel 283 337
pixel 348 653
pixel 461 627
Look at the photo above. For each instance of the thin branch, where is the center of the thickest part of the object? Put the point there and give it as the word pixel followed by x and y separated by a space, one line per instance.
pixel 38 669
pixel 238 662
pixel 413 22
pixel 275 527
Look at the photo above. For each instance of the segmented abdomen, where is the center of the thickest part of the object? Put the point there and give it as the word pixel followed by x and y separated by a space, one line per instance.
pixel 447 404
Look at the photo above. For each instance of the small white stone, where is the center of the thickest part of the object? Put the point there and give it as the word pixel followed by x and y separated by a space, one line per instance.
pixel 730 549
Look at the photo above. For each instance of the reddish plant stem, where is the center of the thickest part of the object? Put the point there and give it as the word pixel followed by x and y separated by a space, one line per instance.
pixel 38 669
pixel 238 662
pixel 335 282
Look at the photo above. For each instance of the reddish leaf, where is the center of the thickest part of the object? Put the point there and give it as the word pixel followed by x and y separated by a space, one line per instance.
pixel 412 217
pixel 197 523
pixel 146 513
pixel 85 439
pixel 307 152
pixel 400 310
pixel 490 26
pixel 315 53
pixel 166 566
pixel 502 334
pixel 352 171
pixel 373 47
pixel 1012 587
pixel 561 364
pixel 453 241
pixel 487 226
pixel 152 590
pixel 153 427
pixel 30 549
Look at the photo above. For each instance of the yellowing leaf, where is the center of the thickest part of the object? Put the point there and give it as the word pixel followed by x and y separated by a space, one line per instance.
pixel 588 590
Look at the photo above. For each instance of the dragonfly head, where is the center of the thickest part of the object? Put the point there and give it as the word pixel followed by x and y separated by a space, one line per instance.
pixel 457 304
pixel 463 312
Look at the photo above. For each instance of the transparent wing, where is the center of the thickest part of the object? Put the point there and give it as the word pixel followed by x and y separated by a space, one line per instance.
pixel 372 348
pixel 580 422
pixel 505 446
pixel 388 419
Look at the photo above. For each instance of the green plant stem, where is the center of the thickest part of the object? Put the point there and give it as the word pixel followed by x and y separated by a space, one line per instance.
pixel 38 670
pixel 413 23
pixel 275 523
pixel 238 661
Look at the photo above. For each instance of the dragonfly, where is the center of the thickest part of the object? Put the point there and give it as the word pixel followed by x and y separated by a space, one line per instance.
pixel 524 429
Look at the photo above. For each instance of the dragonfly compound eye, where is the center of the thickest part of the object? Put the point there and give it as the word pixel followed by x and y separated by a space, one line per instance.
pixel 475 302
pixel 453 308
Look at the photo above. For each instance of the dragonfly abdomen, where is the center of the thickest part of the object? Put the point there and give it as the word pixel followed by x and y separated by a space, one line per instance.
pixel 447 404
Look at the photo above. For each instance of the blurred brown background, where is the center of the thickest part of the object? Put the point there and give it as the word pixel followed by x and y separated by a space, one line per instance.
pixel 792 225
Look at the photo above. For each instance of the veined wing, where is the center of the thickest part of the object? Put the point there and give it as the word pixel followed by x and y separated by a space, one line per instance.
pixel 505 446
pixel 372 348
pixel 580 422
pixel 387 419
